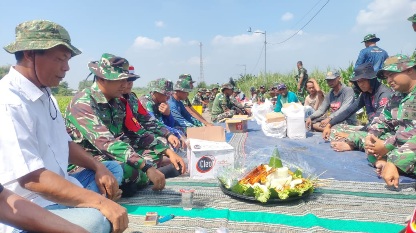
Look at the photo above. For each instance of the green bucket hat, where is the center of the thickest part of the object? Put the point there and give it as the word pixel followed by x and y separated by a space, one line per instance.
pixel 187 77
pixel 412 18
pixel 184 83
pixel 370 37
pixel 161 85
pixel 111 67
pixel 397 64
pixel 40 35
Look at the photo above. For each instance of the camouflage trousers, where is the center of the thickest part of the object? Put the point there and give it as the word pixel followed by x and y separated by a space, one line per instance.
pixel 222 116
pixel 355 137
pixel 150 147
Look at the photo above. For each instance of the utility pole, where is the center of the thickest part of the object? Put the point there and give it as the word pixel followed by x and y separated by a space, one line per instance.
pixel 201 64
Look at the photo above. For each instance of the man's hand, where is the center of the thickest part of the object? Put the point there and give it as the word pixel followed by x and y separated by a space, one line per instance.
pixel 308 123
pixel 390 174
pixel 107 183
pixel 116 214
pixel 374 145
pixel 325 122
pixel 164 109
pixel 175 159
pixel 174 141
pixel 326 132
pixel 157 178
pixel 208 124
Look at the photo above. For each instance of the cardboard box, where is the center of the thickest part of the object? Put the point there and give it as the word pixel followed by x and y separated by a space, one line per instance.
pixel 206 157
pixel 275 117
pixel 237 124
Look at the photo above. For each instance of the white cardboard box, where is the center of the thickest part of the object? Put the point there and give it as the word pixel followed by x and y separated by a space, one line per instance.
pixel 207 152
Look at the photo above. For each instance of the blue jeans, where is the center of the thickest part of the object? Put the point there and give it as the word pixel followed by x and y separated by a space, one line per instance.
pixel 88 218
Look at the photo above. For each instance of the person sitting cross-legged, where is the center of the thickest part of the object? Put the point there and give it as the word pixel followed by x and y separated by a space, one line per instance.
pixel 374 96
pixel 339 98
pixel 396 153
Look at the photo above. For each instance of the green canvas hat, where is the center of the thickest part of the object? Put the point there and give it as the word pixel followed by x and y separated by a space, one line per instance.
pixel 412 18
pixel 397 64
pixel 111 67
pixel 184 83
pixel 40 35
pixel 370 37
pixel 162 86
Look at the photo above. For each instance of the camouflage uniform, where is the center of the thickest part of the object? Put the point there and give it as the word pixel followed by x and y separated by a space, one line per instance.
pixel 197 100
pixel 398 120
pixel 98 125
pixel 260 96
pixel 212 98
pixel 302 73
pixel 224 107
pixel 164 87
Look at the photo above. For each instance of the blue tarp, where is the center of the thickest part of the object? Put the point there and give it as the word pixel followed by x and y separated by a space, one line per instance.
pixel 312 154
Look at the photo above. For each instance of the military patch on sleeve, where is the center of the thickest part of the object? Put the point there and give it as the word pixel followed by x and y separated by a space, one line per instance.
pixel 383 101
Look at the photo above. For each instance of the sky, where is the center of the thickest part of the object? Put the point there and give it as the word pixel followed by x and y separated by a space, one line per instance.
pixel 161 38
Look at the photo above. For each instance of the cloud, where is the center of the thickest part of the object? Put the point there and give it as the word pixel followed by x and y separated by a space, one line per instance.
pixel 146 43
pixel 382 14
pixel 235 40
pixel 193 61
pixel 287 16
pixel 171 40
pixel 159 24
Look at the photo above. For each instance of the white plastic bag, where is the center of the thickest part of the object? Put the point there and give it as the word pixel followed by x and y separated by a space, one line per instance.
pixel 295 119
pixel 274 129
pixel 259 111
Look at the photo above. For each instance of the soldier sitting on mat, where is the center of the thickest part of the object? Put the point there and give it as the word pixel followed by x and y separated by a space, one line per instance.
pixel 223 107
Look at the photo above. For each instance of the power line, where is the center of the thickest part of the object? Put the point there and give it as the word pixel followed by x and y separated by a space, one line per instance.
pixel 307 13
pixel 294 34
pixel 257 63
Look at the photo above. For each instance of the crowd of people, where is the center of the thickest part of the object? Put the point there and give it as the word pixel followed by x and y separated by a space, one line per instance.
pixel 71 169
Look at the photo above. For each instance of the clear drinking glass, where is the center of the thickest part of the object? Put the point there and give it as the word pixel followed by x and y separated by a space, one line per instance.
pixel 187 198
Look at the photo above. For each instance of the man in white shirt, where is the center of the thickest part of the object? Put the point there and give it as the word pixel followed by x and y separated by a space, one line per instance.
pixel 34 147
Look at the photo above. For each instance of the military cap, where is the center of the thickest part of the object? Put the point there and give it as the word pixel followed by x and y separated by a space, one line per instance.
pixel 208 91
pixel 412 18
pixel 262 86
pixel 201 90
pixel 370 37
pixel 186 77
pixel 332 75
pixel 226 86
pixel 184 83
pixel 162 86
pixel 363 71
pixel 40 35
pixel 397 64
pixel 111 67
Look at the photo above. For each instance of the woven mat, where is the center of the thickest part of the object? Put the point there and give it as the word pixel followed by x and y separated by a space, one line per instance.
pixel 340 206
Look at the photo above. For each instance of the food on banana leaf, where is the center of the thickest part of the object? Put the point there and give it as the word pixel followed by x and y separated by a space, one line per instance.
pixel 265 182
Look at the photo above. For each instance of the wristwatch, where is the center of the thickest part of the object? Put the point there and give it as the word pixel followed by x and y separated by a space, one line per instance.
pixel 148 164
